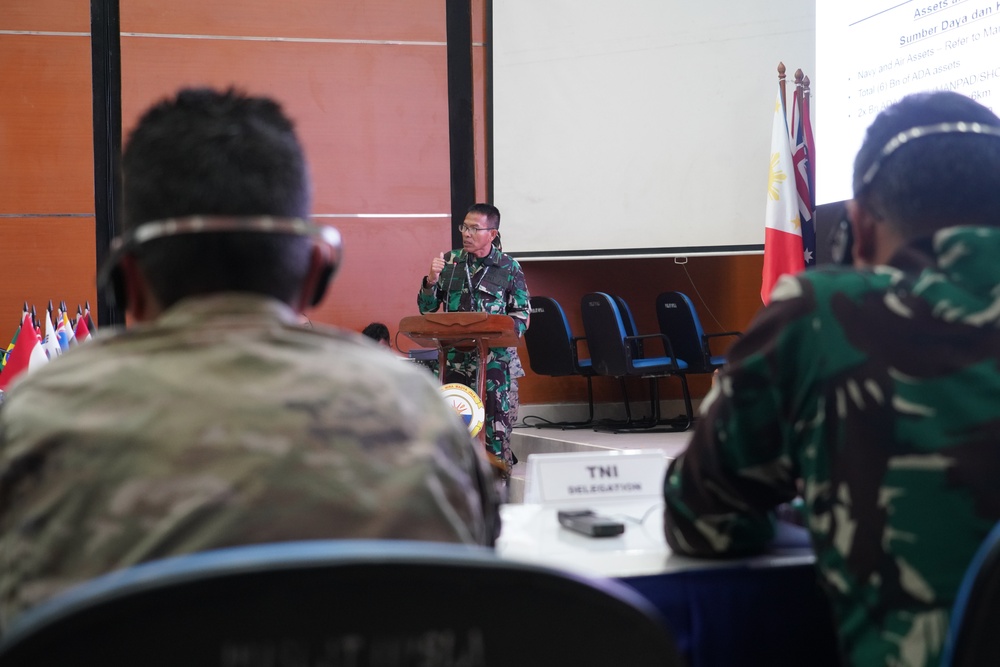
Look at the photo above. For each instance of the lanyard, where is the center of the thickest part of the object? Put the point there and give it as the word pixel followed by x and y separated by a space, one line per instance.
pixel 473 291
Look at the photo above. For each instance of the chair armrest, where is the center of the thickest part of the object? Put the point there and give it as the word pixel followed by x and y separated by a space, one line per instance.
pixel 575 343
pixel 668 349
pixel 738 334
pixel 707 338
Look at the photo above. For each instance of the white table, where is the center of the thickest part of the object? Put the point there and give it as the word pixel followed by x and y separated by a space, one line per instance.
pixel 751 611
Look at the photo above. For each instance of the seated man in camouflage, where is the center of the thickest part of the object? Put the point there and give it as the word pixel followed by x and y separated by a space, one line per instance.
pixel 218 419
pixel 872 392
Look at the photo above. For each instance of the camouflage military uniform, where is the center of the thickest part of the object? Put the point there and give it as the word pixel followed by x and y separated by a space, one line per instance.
pixel 877 392
pixel 494 284
pixel 225 423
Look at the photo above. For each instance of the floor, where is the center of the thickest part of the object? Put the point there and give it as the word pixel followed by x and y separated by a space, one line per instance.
pixel 526 440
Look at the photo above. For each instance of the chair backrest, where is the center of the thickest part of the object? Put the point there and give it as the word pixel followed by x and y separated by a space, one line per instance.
pixel 973 638
pixel 341 602
pixel 549 340
pixel 679 321
pixel 635 346
pixel 605 331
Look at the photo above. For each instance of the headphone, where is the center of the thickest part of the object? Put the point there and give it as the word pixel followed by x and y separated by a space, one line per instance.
pixel 111 281
pixel 906 136
pixel 842 241
pixel 842 235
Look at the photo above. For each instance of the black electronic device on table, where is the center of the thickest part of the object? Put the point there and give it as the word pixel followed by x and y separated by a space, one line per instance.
pixel 589 523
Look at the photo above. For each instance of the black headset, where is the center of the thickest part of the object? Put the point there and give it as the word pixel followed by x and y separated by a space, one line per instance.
pixel 111 282
pixel 842 235
pixel 842 241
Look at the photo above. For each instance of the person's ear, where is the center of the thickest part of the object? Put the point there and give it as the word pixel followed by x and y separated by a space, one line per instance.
pixel 140 303
pixel 863 227
pixel 322 266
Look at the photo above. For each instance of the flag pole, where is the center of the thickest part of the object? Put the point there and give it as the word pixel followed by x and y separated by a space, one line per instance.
pixel 806 118
pixel 781 84
pixel 799 92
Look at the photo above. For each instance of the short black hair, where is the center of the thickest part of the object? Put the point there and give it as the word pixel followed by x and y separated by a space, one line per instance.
pixel 376 331
pixel 491 212
pixel 208 152
pixel 935 181
pixel 217 153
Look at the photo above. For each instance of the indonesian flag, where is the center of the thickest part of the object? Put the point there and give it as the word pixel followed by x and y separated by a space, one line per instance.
pixel 26 355
pixel 782 230
pixel 81 332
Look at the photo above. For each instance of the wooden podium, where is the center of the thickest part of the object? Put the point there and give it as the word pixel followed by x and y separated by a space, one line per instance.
pixel 463 331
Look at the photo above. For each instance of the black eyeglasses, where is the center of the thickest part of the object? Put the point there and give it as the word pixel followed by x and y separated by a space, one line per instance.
pixel 472 230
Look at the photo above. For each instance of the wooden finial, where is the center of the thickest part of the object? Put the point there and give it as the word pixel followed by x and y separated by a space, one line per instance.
pixel 781 84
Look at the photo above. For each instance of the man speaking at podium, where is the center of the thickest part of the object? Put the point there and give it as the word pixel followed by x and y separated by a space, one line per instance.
pixel 481 278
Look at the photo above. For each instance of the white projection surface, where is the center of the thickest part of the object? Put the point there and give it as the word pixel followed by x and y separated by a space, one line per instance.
pixel 628 128
pixel 870 54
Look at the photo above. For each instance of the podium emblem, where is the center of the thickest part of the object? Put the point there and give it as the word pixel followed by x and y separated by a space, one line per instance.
pixel 467 404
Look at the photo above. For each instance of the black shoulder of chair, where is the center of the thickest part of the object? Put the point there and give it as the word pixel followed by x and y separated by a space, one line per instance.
pixel 342 602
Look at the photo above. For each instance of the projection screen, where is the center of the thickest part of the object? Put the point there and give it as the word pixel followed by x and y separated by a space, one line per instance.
pixel 633 128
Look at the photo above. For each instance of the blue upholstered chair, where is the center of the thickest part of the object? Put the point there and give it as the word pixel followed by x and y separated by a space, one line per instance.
pixel 974 632
pixel 341 602
pixel 679 321
pixel 616 353
pixel 553 350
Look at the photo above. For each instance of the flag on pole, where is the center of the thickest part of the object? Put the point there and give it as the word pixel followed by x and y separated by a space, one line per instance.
pixel 64 330
pixel 27 353
pixel 90 322
pixel 13 342
pixel 80 331
pixel 782 226
pixel 807 130
pixel 50 343
pixel 801 159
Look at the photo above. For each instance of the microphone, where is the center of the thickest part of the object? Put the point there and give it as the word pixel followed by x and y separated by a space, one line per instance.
pixel 450 267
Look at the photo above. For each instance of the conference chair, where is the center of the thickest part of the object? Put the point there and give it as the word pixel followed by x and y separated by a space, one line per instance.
pixel 679 321
pixel 613 354
pixel 631 329
pixel 341 602
pixel 553 350
pixel 972 638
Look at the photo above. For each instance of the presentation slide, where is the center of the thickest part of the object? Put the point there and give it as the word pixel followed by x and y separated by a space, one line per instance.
pixel 870 54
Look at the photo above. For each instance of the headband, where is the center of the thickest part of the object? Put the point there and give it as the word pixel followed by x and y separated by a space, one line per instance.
pixel 904 137
pixel 199 224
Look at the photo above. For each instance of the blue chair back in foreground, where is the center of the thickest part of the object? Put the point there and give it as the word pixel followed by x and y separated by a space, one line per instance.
pixel 973 637
pixel 341 602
